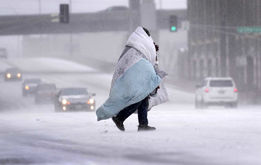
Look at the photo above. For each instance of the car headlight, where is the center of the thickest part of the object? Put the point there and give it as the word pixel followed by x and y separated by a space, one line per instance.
pixel 91 101
pixel 19 75
pixel 26 87
pixel 8 75
pixel 65 102
pixel 64 108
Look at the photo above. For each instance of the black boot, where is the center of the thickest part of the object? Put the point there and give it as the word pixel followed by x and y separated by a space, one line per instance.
pixel 146 128
pixel 118 123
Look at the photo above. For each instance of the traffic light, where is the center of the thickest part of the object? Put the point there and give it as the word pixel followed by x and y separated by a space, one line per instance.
pixel 173 23
pixel 64 13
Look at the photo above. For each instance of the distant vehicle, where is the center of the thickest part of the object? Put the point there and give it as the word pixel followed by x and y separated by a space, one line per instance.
pixel 3 53
pixel 29 86
pixel 45 93
pixel 216 91
pixel 72 99
pixel 12 74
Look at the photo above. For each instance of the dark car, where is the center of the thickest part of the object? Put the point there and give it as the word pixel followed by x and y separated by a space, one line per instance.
pixel 29 86
pixel 45 93
pixel 73 99
pixel 13 74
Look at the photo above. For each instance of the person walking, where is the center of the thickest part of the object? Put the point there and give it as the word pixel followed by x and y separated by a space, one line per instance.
pixel 134 80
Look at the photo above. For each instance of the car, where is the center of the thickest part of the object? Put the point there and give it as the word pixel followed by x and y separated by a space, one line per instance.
pixel 13 74
pixel 29 86
pixel 45 93
pixel 74 99
pixel 216 91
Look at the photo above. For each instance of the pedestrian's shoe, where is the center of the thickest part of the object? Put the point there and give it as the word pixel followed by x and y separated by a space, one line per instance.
pixel 118 123
pixel 146 128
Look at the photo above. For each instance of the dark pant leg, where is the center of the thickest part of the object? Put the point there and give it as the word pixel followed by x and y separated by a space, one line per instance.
pixel 143 111
pixel 142 108
pixel 126 112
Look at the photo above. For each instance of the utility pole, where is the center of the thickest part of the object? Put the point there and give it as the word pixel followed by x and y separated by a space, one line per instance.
pixel 71 36
pixel 135 16
pixel 148 17
pixel 40 36
pixel 40 7
pixel 223 42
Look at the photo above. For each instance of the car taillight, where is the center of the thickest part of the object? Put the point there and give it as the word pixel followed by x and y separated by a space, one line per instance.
pixel 206 90
pixel 235 90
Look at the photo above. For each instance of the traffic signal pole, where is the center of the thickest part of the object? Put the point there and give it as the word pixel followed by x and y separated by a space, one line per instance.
pixel 223 43
pixel 71 35
pixel 223 54
pixel 64 17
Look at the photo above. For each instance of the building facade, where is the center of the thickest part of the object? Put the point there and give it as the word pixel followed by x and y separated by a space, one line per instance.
pixel 224 39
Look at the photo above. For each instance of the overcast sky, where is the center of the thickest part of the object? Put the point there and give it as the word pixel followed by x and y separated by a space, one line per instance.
pixel 8 7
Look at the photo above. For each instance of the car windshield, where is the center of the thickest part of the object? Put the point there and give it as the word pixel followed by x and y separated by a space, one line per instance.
pixel 221 83
pixel 74 91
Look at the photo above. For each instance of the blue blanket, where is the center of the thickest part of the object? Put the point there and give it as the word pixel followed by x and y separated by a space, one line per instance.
pixel 133 86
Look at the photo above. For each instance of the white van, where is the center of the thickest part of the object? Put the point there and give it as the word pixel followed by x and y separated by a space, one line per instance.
pixel 216 91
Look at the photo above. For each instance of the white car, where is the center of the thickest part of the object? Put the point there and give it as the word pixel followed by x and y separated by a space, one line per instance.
pixel 216 91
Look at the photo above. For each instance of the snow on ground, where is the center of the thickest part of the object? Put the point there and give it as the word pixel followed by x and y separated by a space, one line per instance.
pixel 183 136
pixel 35 134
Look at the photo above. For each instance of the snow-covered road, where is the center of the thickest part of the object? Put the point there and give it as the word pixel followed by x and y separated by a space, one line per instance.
pixel 35 134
